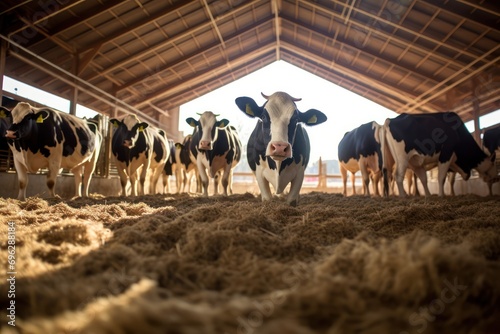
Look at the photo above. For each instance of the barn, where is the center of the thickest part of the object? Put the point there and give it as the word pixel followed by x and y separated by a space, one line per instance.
pixel 185 263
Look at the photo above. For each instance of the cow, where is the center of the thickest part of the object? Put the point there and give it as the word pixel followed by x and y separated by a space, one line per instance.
pixel 47 138
pixel 360 149
pixel 138 146
pixel 421 140
pixel 5 163
pixel 278 149
pixel 216 148
pixel 186 168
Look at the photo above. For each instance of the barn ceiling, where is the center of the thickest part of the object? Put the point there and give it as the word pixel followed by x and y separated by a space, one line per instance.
pixel 153 56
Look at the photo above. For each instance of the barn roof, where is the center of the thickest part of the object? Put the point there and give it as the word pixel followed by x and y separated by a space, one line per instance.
pixel 153 56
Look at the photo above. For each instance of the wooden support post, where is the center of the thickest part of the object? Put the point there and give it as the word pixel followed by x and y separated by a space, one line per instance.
pixel 74 90
pixel 321 174
pixel 477 126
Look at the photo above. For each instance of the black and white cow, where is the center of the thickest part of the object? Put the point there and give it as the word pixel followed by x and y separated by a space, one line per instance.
pixel 360 149
pixel 47 138
pixel 421 140
pixel 186 169
pixel 278 149
pixel 4 146
pixel 217 148
pixel 138 146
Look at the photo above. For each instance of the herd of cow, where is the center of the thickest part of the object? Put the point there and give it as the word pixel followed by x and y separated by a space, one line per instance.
pixel 410 145
pixel 277 151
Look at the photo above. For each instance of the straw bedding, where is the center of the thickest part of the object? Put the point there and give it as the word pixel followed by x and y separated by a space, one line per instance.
pixel 188 264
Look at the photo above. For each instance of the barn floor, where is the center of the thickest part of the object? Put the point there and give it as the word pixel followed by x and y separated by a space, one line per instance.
pixel 187 264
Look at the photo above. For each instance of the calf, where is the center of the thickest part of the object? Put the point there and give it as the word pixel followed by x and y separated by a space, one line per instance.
pixel 278 149
pixel 216 148
pixel 137 144
pixel 421 140
pixel 359 149
pixel 47 138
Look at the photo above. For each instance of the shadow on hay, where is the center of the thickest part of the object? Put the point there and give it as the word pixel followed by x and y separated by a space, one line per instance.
pixel 236 265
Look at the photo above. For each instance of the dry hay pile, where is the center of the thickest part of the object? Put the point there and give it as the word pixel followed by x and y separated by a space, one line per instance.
pixel 186 264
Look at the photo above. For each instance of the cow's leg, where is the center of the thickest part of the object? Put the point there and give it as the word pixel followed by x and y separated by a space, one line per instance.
pixel 226 179
pixel 54 167
pixel 77 172
pixel 442 173
pixel 179 173
pixel 133 182
pixel 22 179
pixel 217 177
pixel 375 182
pixel 154 178
pixel 123 180
pixel 422 175
pixel 343 173
pixel 204 177
pixel 365 176
pixel 265 189
pixel 353 182
pixel 409 180
pixel 451 180
pixel 400 172
pixel 142 179
pixel 295 185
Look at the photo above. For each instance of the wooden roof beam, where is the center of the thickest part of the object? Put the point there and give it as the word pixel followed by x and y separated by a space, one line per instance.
pixel 171 40
pixel 236 34
pixel 208 73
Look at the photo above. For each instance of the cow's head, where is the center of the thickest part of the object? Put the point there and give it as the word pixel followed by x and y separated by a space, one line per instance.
pixel 127 131
pixel 279 118
pixel 24 118
pixel 207 126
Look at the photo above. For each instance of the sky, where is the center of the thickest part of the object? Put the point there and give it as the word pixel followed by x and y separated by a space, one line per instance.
pixel 345 110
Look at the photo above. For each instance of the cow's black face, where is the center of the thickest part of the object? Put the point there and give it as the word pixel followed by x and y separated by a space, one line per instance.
pixel 127 131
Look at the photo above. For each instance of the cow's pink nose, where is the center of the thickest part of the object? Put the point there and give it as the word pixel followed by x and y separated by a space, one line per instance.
pixel 127 143
pixel 10 134
pixel 280 149
pixel 205 145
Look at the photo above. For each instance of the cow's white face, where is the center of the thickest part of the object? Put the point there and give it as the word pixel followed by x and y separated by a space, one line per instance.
pixel 279 118
pixel 208 129
pixel 282 112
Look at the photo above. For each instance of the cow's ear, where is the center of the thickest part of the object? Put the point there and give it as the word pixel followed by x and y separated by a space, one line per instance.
pixel 142 126
pixel 191 121
pixel 222 123
pixel 312 117
pixel 115 122
pixel 248 106
pixel 41 116
pixel 4 112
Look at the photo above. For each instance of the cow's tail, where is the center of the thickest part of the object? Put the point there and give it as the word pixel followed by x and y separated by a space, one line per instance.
pixel 385 157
